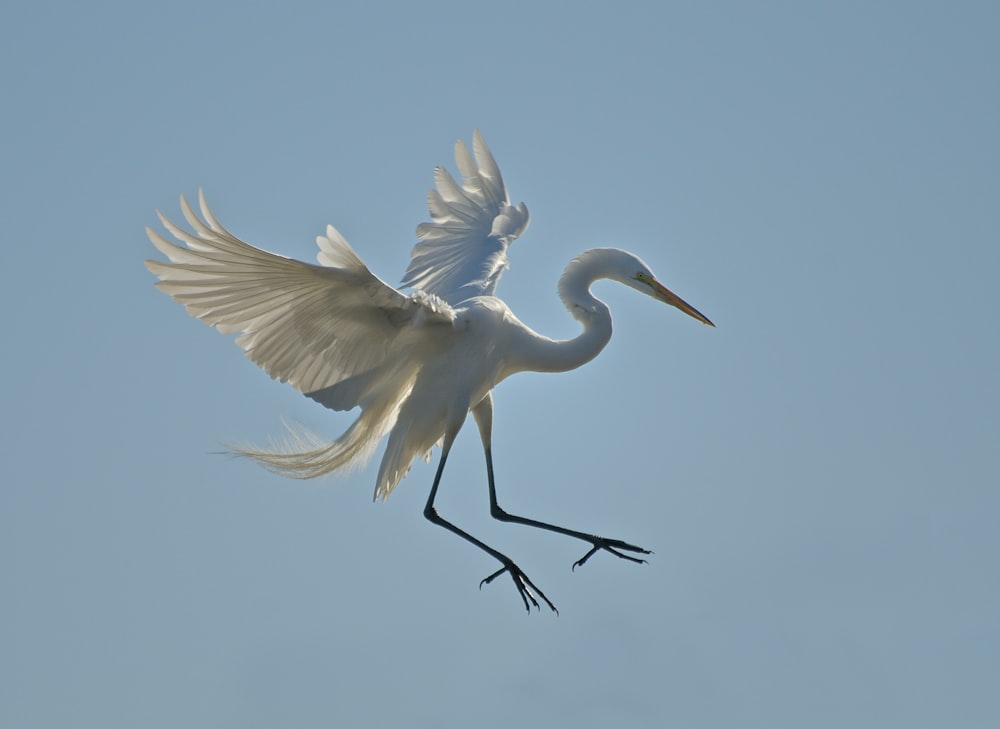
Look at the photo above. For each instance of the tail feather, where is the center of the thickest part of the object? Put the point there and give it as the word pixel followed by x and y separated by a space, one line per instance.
pixel 305 455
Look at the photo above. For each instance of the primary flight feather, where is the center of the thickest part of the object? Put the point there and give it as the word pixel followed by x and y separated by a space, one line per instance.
pixel 415 364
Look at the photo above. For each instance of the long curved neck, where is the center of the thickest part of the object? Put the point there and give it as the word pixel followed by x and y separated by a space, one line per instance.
pixel 542 354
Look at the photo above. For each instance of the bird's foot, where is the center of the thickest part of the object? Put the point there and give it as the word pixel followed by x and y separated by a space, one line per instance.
pixel 611 545
pixel 525 587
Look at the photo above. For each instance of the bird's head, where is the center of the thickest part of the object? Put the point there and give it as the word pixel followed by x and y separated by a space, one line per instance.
pixel 632 272
pixel 616 265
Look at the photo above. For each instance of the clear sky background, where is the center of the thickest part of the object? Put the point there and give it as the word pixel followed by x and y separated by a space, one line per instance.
pixel 818 476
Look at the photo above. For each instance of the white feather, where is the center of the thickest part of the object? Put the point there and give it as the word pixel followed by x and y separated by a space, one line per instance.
pixel 463 250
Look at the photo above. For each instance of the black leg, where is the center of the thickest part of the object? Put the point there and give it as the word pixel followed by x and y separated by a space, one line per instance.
pixel 525 587
pixel 598 543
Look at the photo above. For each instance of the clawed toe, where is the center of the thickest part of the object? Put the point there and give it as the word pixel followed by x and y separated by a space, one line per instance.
pixel 525 587
pixel 612 545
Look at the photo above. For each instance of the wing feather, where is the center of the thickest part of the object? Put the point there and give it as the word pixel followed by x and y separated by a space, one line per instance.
pixel 315 327
pixel 463 250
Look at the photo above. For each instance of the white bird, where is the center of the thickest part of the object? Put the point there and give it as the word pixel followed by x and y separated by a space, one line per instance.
pixel 415 364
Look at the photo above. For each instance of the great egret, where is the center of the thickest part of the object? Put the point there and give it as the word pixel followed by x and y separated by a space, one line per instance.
pixel 415 364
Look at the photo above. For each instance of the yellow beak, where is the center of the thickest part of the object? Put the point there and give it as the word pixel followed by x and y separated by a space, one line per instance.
pixel 667 296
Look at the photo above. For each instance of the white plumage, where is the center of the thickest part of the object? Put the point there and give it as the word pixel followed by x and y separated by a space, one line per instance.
pixel 463 251
pixel 415 364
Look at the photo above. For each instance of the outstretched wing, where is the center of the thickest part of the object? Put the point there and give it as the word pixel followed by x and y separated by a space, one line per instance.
pixel 463 250
pixel 322 328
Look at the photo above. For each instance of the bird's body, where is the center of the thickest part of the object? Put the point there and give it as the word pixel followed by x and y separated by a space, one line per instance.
pixel 415 364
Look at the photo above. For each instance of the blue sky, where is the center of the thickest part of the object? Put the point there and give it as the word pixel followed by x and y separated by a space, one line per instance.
pixel 817 476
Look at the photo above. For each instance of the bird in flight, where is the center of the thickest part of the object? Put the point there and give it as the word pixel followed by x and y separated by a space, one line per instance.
pixel 415 364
